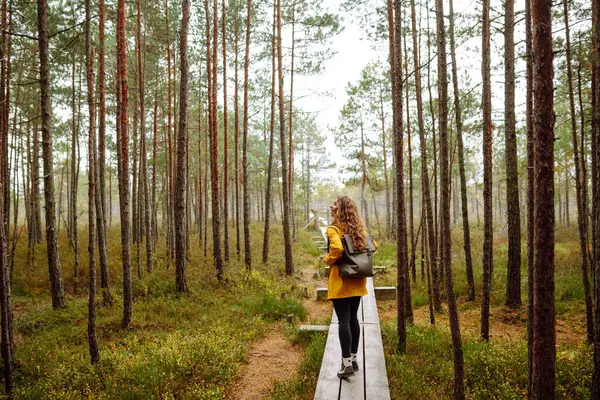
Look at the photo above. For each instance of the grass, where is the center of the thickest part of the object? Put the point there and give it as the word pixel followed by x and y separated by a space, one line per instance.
pixel 194 346
pixel 498 369
pixel 178 346
pixel 494 370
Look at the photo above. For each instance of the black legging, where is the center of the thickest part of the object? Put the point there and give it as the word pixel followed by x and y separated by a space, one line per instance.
pixel 349 328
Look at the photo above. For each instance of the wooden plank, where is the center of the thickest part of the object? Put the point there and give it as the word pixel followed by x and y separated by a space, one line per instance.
pixel 370 314
pixel 370 382
pixel 375 372
pixel 321 293
pixel 315 328
pixel 328 384
pixel 353 387
pixel 385 293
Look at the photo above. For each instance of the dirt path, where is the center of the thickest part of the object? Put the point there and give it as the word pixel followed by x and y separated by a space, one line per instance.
pixel 270 359
pixel 273 358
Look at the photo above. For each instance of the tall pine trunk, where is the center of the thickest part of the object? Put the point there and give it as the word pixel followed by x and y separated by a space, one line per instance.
pixel 225 139
pixel 486 104
pixel 291 126
pixel 461 164
pixel 530 191
pixel 265 255
pixel 513 282
pixel 72 225
pixel 445 237
pixel 100 192
pixel 89 61
pixel 412 264
pixel 596 191
pixel 123 154
pixel 578 184
pixel 544 334
pixel 180 182
pixel 238 239
pixel 5 308
pixel 169 195
pixel 246 177
pixel 401 257
pixel 289 261
pixel 424 166
pixel 54 268
pixel 144 205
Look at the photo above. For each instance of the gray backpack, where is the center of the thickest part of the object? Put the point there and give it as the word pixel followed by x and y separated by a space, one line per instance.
pixel 354 263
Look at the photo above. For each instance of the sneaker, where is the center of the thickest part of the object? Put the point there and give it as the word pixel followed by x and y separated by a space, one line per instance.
pixel 355 365
pixel 345 371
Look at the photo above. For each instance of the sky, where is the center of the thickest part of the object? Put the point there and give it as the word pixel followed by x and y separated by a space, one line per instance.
pixel 354 52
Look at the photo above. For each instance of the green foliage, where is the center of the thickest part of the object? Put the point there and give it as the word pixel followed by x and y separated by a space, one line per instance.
pixel 273 309
pixel 178 346
pixel 494 370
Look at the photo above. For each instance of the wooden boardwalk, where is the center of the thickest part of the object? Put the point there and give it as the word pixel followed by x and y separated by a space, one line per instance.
pixel 370 382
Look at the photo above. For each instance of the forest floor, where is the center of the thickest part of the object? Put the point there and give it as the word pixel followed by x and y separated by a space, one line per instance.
pixel 233 339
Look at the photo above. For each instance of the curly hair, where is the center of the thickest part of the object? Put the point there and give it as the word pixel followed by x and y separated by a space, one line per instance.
pixel 350 222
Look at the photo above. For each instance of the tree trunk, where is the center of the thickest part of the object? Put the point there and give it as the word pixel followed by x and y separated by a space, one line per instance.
pixel 145 207
pixel 72 226
pixel 584 181
pixel 206 135
pixel 122 122
pixel 596 191
pixel 54 268
pixel 388 224
pixel 265 255
pixel 424 167
pixel 363 182
pixel 291 126
pixel 530 192
pixel 461 164
pixel 401 258
pixel 413 266
pixel 486 103
pixel 169 196
pixel 578 184
pixel 89 61
pixel 135 220
pixel 238 242
pixel 289 261
pixel 445 203
pixel 246 178
pixel 544 334
pixel 5 309
pixel 214 143
pixel 35 185
pixel 247 245
pixel 437 274
pixel 180 182
pixel 513 285
pixel 101 166
pixel 225 141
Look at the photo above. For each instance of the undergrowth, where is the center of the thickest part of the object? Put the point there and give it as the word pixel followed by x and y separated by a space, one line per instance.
pixel 178 346
pixel 194 346
pixel 494 370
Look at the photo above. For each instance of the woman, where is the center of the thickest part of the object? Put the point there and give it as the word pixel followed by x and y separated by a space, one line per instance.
pixel 346 293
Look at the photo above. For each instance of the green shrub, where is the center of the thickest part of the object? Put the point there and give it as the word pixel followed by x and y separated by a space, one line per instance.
pixel 273 309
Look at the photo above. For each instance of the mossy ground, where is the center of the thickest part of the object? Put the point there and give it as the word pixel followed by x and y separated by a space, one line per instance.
pixel 194 346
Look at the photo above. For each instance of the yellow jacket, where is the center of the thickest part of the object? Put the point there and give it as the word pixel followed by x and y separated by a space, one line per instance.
pixel 337 287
